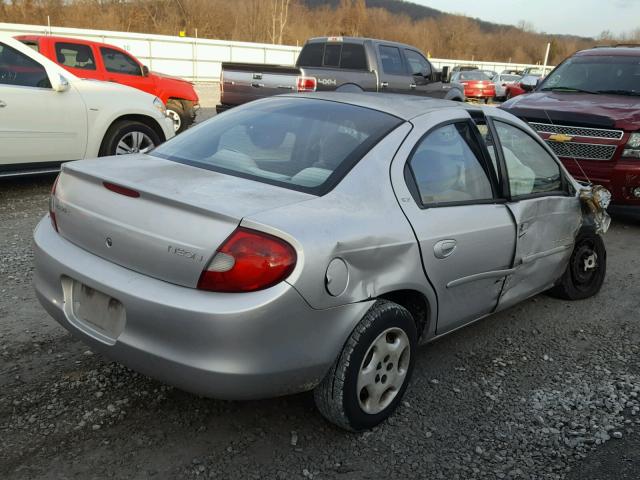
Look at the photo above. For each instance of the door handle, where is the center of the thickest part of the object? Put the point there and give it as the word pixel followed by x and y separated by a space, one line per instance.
pixel 384 84
pixel 257 85
pixel 2 104
pixel 444 248
pixel 412 86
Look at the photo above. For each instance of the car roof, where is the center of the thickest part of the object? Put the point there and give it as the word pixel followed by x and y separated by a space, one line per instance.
pixel 405 107
pixel 611 51
pixel 54 38
pixel 358 40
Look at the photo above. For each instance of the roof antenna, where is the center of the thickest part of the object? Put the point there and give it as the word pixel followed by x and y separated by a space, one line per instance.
pixel 569 151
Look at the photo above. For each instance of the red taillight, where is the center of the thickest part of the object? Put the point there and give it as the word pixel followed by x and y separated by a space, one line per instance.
pixel 307 84
pixel 248 261
pixel 128 192
pixel 52 199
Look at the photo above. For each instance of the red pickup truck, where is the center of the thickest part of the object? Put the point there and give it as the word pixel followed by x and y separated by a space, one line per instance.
pixel 100 61
pixel 588 112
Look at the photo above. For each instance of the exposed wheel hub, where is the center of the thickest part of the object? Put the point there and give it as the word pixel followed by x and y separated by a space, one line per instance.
pixel 584 263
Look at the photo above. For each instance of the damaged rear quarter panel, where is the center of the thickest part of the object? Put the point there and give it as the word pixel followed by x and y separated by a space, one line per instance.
pixel 360 222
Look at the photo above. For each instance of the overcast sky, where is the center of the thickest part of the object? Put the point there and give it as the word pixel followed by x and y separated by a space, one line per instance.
pixel 578 17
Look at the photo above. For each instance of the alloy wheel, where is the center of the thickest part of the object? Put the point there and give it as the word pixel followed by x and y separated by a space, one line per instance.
pixel 134 142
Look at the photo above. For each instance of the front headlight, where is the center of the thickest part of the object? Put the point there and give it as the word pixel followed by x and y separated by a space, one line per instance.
pixel 160 106
pixel 632 149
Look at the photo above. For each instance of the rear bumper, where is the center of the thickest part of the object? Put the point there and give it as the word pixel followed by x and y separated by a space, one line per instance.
pixel 231 346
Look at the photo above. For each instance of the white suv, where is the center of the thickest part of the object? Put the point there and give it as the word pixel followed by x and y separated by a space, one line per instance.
pixel 49 116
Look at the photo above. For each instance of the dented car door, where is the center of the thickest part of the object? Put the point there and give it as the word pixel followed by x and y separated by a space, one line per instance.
pixel 546 211
pixel 447 190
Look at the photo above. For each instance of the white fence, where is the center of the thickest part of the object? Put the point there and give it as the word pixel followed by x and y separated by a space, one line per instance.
pixel 198 59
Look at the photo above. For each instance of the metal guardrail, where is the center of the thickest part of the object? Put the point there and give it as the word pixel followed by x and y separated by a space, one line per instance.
pixel 198 59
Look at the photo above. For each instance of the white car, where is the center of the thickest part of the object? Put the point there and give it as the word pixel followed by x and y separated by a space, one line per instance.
pixel 49 116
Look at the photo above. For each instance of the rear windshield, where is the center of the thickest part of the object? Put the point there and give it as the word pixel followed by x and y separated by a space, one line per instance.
pixel 298 143
pixel 473 75
pixel 349 56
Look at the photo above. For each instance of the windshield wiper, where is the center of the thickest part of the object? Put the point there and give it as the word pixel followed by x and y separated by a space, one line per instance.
pixel 632 93
pixel 568 89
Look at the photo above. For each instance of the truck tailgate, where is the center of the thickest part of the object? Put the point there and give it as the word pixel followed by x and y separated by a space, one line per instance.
pixel 244 82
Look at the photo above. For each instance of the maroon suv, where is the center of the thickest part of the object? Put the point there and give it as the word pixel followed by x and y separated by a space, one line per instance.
pixel 588 112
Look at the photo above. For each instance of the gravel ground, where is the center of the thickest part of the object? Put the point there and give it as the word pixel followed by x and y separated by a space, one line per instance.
pixel 546 390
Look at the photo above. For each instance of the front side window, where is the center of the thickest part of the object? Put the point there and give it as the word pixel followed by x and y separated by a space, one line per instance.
pixel 391 60
pixel 530 168
pixel 75 55
pixel 418 65
pixel 118 62
pixel 18 69
pixel 302 144
pixel 446 166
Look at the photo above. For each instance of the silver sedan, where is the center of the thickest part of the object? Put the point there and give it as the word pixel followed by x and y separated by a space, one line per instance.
pixel 313 242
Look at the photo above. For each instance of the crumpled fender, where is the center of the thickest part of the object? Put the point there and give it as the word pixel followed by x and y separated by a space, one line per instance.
pixel 595 199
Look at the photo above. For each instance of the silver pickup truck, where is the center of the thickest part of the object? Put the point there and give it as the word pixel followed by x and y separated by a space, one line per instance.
pixel 345 64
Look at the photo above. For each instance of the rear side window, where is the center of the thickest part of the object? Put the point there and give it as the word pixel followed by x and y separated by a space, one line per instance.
pixel 75 55
pixel 18 69
pixel 353 57
pixel 335 55
pixel 301 144
pixel 446 167
pixel 530 168
pixel 32 44
pixel 118 62
pixel 391 60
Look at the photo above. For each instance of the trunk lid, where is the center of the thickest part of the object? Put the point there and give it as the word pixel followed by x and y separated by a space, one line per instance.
pixel 171 231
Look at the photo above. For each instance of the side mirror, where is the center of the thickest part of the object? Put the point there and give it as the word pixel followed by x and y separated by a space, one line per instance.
pixel 445 75
pixel 59 83
pixel 145 71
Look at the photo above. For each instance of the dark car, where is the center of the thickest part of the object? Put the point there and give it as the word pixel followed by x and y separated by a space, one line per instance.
pixel 588 111
pixel 343 64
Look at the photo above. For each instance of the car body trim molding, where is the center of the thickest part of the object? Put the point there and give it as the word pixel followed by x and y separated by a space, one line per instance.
pixel 480 276
pixel 546 253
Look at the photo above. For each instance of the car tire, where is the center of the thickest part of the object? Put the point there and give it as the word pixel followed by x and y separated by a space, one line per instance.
pixel 586 271
pixel 136 137
pixel 379 353
pixel 177 111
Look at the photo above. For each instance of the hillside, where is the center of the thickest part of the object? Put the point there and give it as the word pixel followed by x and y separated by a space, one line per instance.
pixel 291 22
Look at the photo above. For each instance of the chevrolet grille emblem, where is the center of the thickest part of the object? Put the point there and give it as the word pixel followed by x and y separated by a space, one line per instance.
pixel 560 137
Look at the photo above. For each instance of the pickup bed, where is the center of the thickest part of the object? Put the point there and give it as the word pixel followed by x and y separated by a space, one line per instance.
pixel 345 64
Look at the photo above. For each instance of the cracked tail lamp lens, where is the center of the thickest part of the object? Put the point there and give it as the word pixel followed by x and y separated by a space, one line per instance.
pixel 632 148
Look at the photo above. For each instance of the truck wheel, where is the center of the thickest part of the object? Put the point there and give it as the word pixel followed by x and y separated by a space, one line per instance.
pixel 587 267
pixel 177 111
pixel 127 136
pixel 367 381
